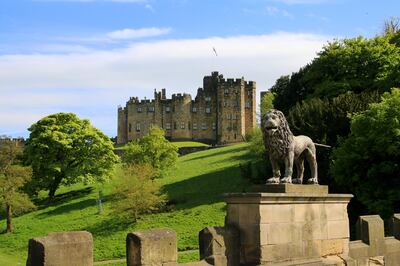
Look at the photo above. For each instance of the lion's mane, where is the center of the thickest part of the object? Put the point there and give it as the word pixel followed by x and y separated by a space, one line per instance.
pixel 279 142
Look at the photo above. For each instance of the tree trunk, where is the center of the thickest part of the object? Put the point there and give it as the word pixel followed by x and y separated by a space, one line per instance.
pixel 9 218
pixel 55 185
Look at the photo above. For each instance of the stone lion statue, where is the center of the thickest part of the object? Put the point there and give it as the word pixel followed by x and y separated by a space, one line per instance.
pixel 283 146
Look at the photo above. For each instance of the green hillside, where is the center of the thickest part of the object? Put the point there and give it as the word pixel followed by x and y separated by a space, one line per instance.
pixel 194 189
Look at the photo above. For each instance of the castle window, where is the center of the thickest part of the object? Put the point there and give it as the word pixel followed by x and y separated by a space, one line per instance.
pixel 175 125
pixel 195 126
pixel 203 126
pixel 168 125
pixel 208 110
pixel 234 117
pixel 226 91
pixel 235 126
pixel 138 127
pixel 189 125
pixel 234 103
pixel 167 109
pixel 182 125
pixel 213 126
pixel 139 109
pixel 249 93
pixel 194 109
pixel 130 127
pixel 208 99
pixel 247 105
pixel 228 116
pixel 225 103
pixel 151 109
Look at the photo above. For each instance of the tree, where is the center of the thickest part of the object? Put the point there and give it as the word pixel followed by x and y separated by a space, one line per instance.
pixel 266 102
pixel 12 179
pixel 391 25
pixel 367 161
pixel 64 149
pixel 153 149
pixel 136 191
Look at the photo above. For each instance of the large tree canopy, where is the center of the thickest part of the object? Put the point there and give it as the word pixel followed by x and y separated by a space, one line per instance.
pixel 64 149
pixel 367 162
pixel 357 65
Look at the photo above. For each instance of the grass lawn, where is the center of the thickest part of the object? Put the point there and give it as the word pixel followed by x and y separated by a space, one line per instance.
pixel 181 144
pixel 194 189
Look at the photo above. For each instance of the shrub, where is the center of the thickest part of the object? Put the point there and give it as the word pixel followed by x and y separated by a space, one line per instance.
pixel 136 192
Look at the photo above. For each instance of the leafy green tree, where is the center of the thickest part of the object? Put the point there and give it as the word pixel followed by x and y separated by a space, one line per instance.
pixel 12 179
pixel 63 149
pixel 367 161
pixel 153 149
pixel 136 192
pixel 266 102
pixel 356 65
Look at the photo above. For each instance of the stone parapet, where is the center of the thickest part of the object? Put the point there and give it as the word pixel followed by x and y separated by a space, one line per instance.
pixel 61 249
pixel 301 224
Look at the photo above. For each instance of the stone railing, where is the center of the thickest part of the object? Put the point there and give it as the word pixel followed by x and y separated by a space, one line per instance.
pixel 291 225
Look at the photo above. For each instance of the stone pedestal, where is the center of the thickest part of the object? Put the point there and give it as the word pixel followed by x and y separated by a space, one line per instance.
pixel 288 223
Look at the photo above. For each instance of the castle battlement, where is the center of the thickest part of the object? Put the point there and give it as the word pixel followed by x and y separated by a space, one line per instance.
pixel 216 114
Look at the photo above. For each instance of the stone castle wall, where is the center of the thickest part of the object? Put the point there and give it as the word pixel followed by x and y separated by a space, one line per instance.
pixel 223 111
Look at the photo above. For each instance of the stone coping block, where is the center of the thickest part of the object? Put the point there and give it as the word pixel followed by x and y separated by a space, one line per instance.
pixel 61 249
pixel 292 188
pixel 284 198
pixel 151 247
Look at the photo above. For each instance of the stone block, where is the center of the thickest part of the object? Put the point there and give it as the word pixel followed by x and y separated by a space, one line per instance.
pixel 396 225
pixel 61 249
pixel 392 245
pixel 275 253
pixel 392 259
pixel 312 248
pixel 307 212
pixel 218 242
pixel 338 229
pixel 292 188
pixel 370 230
pixel 332 247
pixel 249 214
pixel 277 233
pixel 232 214
pixel 358 249
pixel 336 211
pixel 152 247
pixel 276 213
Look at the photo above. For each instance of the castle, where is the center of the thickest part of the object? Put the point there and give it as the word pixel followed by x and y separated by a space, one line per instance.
pixel 223 111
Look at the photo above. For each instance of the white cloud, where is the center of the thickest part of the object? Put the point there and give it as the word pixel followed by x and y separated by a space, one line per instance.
pixel 127 34
pixel 93 83
pixel 273 11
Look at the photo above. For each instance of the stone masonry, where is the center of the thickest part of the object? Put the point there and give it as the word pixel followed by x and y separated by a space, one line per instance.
pixel 223 111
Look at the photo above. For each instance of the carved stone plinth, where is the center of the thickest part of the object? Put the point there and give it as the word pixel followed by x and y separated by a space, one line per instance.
pixel 300 224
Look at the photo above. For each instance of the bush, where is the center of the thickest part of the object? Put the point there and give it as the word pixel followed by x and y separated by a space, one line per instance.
pixel 367 161
pixel 255 138
pixel 136 192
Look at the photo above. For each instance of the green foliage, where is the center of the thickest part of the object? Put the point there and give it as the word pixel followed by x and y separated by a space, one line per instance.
pixel 64 149
pixel 356 65
pixel 195 203
pixel 326 120
pixel 136 192
pixel 266 102
pixel 256 141
pixel 367 162
pixel 12 179
pixel 153 149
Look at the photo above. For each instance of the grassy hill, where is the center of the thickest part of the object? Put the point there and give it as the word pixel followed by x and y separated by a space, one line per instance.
pixel 194 190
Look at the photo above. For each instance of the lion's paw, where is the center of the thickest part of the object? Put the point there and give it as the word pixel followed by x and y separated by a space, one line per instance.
pixel 273 180
pixel 312 181
pixel 287 179
pixel 297 181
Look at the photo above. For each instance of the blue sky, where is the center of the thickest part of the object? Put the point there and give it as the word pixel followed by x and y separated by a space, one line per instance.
pixel 89 56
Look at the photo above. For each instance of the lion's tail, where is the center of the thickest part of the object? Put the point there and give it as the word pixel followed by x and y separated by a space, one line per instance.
pixel 322 145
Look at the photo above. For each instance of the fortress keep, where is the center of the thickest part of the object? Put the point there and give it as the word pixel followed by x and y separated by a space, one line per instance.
pixel 223 111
